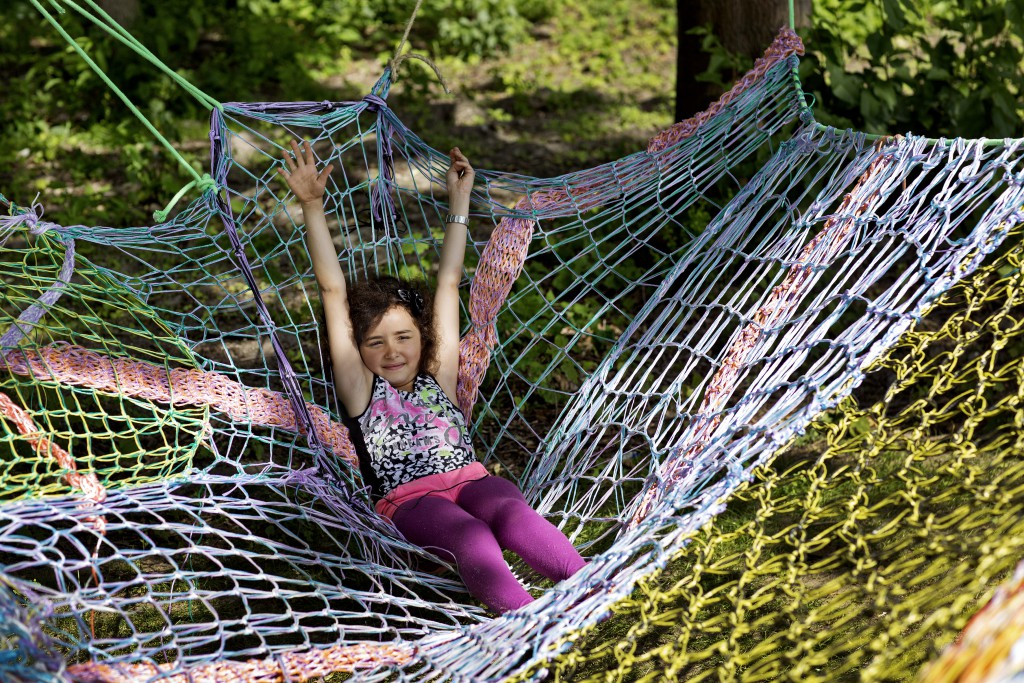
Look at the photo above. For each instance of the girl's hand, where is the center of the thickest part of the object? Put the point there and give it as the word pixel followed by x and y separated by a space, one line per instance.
pixel 460 182
pixel 301 175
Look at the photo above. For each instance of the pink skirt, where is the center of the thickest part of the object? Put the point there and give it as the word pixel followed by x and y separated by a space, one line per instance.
pixel 446 485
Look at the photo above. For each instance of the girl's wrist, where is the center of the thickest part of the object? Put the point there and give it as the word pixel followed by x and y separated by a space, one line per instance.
pixel 316 203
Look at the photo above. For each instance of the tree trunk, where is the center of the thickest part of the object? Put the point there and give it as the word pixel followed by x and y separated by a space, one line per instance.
pixel 745 27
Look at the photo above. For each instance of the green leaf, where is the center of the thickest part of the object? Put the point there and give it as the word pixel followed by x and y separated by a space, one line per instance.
pixel 895 15
pixel 887 95
pixel 878 45
pixel 870 107
pixel 845 86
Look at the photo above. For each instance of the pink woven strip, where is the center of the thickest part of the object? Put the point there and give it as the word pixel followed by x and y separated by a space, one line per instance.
pixel 786 43
pixel 500 265
pixel 502 259
pixel 783 298
pixel 69 364
pixel 290 667
pixel 86 483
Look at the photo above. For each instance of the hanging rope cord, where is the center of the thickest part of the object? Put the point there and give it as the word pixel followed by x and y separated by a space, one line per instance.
pixel 203 182
pixel 397 60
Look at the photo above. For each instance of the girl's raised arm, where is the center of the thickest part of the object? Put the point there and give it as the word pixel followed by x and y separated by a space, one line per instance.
pixel 352 380
pixel 453 251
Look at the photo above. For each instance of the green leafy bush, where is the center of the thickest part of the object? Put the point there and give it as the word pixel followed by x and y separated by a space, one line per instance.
pixel 935 68
pixel 939 69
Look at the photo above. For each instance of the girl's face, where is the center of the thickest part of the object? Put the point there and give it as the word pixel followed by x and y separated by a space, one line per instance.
pixel 392 348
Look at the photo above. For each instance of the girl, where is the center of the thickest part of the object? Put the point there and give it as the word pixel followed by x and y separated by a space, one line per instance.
pixel 396 363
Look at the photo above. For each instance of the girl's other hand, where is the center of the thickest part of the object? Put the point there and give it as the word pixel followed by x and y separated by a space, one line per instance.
pixel 305 182
pixel 460 181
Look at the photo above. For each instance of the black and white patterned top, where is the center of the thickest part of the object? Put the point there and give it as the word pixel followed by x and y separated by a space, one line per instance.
pixel 412 434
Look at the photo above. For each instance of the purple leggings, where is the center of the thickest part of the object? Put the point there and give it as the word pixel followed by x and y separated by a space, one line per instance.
pixel 489 514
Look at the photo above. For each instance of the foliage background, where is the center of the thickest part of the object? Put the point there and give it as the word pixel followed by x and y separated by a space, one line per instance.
pixel 541 87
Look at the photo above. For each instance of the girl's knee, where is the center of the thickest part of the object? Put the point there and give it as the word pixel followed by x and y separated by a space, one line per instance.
pixel 517 518
pixel 473 536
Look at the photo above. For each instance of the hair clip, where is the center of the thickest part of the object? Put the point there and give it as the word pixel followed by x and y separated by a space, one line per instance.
pixel 413 299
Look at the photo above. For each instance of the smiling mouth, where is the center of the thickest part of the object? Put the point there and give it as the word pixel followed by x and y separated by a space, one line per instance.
pixel 393 367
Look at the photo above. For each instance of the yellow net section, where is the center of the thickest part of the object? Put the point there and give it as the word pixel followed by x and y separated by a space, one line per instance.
pixel 865 547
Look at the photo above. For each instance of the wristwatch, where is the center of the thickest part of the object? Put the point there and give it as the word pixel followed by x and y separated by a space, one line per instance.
pixel 454 218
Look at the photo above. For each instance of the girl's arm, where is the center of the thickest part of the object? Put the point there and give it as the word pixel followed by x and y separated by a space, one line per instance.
pixel 352 380
pixel 453 251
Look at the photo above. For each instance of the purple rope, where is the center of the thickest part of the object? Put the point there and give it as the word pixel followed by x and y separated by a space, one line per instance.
pixel 286 372
pixel 220 168
pixel 284 368
pixel 29 218
pixel 375 103
pixel 381 201
pixel 311 108
pixel 31 316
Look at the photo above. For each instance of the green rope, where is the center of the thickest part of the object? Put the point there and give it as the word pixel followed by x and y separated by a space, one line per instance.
pixel 204 181
pixel 792 16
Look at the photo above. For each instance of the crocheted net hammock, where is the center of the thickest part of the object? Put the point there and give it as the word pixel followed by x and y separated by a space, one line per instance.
pixel 178 502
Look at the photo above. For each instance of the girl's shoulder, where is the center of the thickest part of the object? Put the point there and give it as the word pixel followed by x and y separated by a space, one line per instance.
pixel 378 390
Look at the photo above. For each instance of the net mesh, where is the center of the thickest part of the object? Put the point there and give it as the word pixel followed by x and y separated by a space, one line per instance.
pixel 178 502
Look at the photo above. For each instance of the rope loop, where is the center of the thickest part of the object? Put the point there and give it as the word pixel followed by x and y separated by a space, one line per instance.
pixel 437 70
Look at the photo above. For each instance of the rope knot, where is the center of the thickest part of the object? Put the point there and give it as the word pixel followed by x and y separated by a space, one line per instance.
pixel 38 227
pixel 206 183
pixel 375 103
pixel 203 184
pixel 30 218
pixel 31 221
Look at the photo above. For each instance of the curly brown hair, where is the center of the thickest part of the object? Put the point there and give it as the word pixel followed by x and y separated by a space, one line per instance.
pixel 370 299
